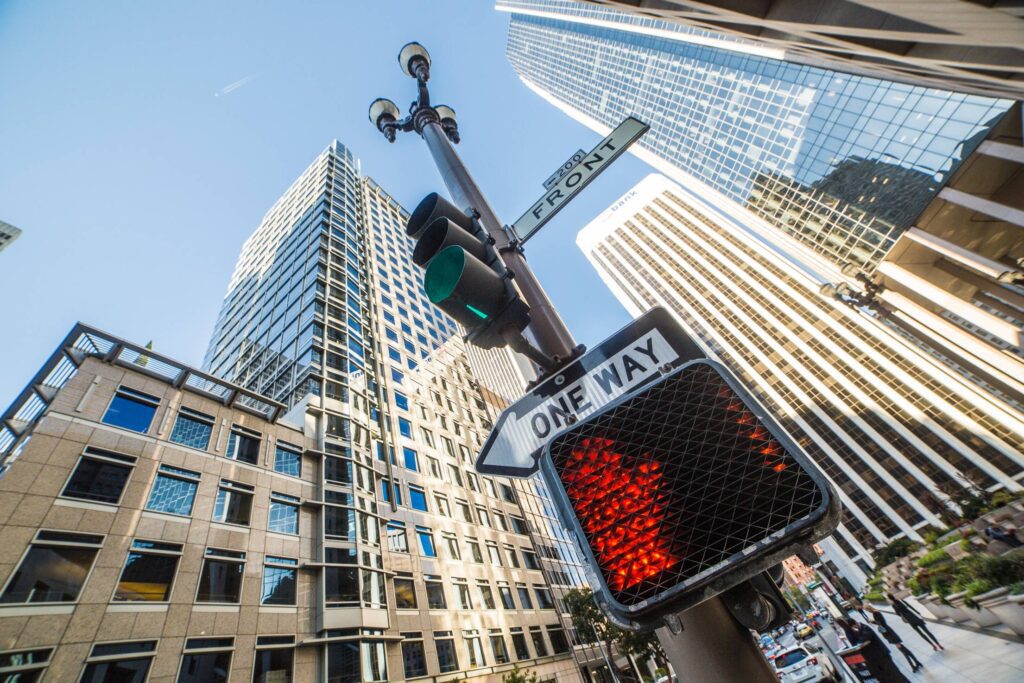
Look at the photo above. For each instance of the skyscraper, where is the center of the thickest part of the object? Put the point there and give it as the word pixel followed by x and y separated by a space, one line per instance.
pixel 964 45
pixel 8 233
pixel 895 430
pixel 864 156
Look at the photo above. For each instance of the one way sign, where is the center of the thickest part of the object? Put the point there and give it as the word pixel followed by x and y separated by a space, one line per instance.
pixel 621 364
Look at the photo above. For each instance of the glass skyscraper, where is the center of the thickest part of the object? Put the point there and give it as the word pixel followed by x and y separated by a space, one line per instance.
pixel 897 433
pixel 428 566
pixel 861 157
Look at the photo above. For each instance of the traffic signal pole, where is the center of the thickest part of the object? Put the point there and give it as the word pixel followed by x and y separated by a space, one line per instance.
pixel 705 642
pixel 546 326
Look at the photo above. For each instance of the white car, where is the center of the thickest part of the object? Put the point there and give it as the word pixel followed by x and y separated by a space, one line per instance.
pixel 797 665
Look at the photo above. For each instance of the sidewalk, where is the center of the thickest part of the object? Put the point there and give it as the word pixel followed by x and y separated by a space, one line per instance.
pixel 968 656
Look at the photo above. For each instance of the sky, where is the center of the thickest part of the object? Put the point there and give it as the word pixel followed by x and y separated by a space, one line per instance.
pixel 141 144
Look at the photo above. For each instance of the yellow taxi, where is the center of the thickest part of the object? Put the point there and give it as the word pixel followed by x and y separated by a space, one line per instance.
pixel 804 631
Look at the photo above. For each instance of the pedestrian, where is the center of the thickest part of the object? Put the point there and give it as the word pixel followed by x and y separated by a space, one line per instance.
pixel 911 616
pixel 875 653
pixel 997 533
pixel 894 639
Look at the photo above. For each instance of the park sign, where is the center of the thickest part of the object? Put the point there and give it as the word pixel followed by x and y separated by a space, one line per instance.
pixel 642 351
pixel 578 177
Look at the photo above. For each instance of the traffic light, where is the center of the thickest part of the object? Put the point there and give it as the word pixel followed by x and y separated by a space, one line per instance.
pixel 464 275
pixel 682 491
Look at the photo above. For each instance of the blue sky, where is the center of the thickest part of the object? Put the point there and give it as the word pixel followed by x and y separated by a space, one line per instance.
pixel 141 143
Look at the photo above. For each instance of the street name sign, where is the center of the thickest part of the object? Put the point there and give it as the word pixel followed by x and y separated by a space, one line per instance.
pixel 638 353
pixel 598 159
pixel 565 168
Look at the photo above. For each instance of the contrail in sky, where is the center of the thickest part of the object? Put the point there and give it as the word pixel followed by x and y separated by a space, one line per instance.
pixel 231 87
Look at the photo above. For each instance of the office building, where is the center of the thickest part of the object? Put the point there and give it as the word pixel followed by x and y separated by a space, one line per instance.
pixel 958 45
pixel 896 430
pixel 8 233
pixel 863 156
pixel 355 490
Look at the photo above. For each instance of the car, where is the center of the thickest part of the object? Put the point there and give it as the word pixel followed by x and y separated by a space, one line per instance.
pixel 797 665
pixel 804 630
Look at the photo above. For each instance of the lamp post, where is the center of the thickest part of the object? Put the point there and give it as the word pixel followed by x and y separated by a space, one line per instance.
pixel 438 127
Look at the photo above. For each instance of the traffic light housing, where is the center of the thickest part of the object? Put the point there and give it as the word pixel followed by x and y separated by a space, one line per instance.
pixel 464 275
pixel 683 490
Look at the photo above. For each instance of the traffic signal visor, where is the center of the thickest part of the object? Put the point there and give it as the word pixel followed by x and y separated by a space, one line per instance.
pixel 683 490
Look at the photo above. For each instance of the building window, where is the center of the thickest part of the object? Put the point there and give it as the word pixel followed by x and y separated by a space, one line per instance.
pixel 405 594
pixel 558 642
pixel 539 646
pixel 174 491
pixel 131 409
pixel 462 598
pixel 452 543
pixel 405 427
pixel 447 659
pixel 492 552
pixel 341 580
pixel 192 429
pixel 524 596
pixel 464 514
pixel 24 666
pixel 471 480
pixel 513 558
pixel 284 514
pixel 498 647
pixel 518 525
pixel 417 498
pixel 411 461
pixel 206 660
pixel 435 592
pixel 243 445
pixel 530 559
pixel 53 569
pixel 428 437
pixel 426 537
pixel 481 513
pixel 442 505
pixel 274 659
pixel 279 580
pixel 519 644
pixel 402 401
pixel 507 494
pixel 357 661
pixel 486 594
pixel 288 459
pixel 221 577
pixel 148 573
pixel 474 551
pixel 413 656
pixel 100 476
pixel 544 600
pixel 506 595
pixel 475 649
pixel 234 503
pixel 398 541
pixel 119 662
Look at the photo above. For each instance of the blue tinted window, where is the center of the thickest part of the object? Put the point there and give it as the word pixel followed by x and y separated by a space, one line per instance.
pixel 390 334
pixel 394 355
pixel 402 401
pixel 389 317
pixel 132 410
pixel 278 582
pixel 174 491
pixel 417 499
pixel 405 427
pixel 397 376
pixel 288 462
pixel 284 514
pixel 426 542
pixel 411 461
pixel 192 429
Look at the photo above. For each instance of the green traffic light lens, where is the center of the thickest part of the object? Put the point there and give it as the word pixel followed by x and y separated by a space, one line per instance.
pixel 443 273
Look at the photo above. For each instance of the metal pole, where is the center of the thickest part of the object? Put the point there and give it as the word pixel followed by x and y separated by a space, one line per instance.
pixel 550 333
pixel 611 667
pixel 711 646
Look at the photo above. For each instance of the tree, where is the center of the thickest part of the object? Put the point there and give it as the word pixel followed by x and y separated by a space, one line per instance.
pixel 517 676
pixel 590 625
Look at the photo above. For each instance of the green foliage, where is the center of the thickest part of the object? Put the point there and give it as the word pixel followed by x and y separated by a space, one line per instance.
pixel 517 676
pixel 915 586
pixel 933 558
pixel 901 547
pixel 930 534
pixel 588 618
pixel 874 596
